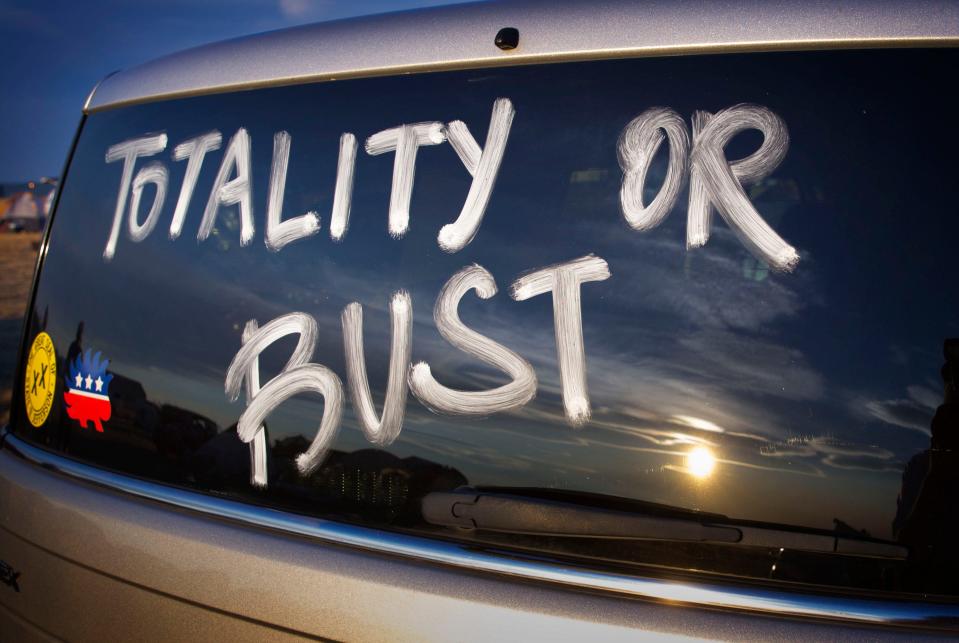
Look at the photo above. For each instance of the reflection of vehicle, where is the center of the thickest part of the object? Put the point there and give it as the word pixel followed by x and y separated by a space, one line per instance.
pixel 385 335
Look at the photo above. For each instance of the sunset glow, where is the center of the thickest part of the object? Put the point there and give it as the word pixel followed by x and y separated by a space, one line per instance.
pixel 700 462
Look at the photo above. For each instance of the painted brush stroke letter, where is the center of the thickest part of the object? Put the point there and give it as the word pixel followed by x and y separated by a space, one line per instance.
pixel 155 173
pixel 384 429
pixel 637 148
pixel 564 281
pixel 235 191
pixel 405 140
pixel 128 152
pixel 194 150
pixel 298 376
pixel 279 233
pixel 442 399
pixel 259 474
pixel 483 165
pixel 725 190
pixel 343 192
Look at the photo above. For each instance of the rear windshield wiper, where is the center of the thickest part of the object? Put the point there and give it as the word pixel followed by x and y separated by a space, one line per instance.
pixel 521 514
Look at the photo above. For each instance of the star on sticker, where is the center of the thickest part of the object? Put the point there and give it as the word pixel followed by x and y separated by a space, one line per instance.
pixel 79 380
pixel 99 383
pixel 89 381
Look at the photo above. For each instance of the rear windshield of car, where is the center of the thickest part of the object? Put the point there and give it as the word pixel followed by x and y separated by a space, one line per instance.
pixel 708 291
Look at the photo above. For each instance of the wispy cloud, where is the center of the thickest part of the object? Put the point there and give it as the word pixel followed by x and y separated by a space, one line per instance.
pixel 305 9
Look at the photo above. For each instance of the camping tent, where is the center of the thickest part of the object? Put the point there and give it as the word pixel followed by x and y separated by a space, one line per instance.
pixel 23 213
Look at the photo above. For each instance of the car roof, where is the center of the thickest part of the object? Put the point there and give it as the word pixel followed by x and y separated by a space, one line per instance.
pixel 461 36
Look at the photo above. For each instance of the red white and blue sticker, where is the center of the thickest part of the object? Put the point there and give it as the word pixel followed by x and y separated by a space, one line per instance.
pixel 88 390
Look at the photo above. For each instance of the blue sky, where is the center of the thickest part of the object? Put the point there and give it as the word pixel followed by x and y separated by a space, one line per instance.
pixel 54 52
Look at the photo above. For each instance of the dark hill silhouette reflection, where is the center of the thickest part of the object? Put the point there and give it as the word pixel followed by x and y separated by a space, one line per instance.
pixel 364 485
pixel 180 432
pixel 367 484
pixel 927 516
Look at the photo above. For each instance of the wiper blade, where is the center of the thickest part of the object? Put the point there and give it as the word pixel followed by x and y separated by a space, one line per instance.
pixel 516 514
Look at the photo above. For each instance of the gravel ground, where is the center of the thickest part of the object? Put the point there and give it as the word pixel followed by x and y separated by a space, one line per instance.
pixel 18 253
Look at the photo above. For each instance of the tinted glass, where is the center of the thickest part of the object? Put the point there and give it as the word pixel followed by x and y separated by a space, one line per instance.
pixel 733 384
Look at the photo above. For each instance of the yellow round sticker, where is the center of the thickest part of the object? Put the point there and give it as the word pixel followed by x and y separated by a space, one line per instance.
pixel 41 380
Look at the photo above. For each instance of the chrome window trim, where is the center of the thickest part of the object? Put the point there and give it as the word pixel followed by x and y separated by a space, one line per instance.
pixel 469 557
pixel 461 36
pixel 93 91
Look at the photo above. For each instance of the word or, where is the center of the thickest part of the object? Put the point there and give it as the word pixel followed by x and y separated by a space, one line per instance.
pixel 233 183
pixel 300 375
pixel 713 181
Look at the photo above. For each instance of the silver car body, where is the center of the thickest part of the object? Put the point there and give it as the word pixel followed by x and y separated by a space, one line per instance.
pixel 116 557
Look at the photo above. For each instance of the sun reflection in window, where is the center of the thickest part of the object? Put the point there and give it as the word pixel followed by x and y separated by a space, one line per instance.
pixel 700 462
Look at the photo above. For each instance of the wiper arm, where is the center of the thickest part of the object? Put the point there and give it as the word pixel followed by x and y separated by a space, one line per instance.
pixel 518 515
pixel 515 514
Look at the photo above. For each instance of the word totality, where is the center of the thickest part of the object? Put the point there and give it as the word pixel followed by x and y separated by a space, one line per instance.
pixel 697 159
